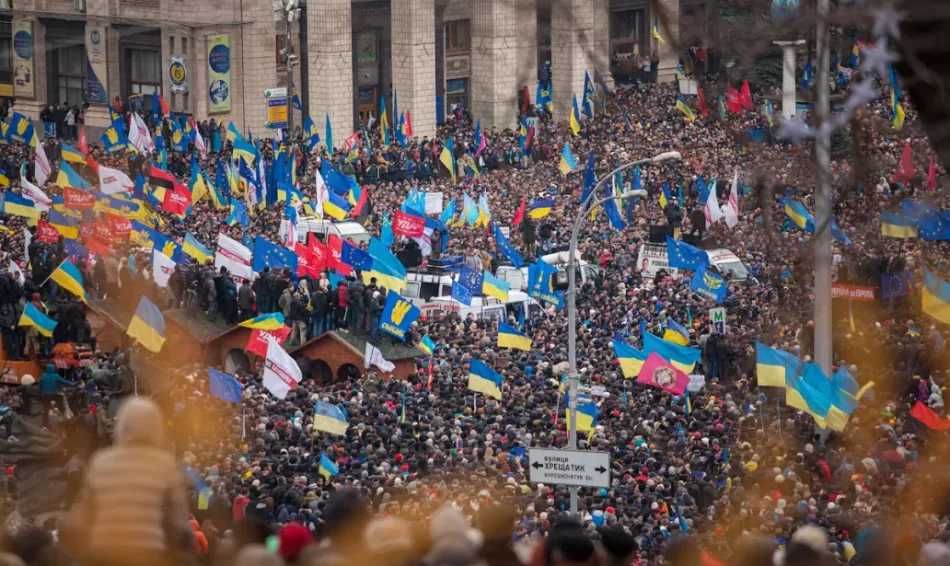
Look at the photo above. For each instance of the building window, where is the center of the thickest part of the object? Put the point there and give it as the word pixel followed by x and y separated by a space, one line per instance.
pixel 367 49
pixel 171 45
pixel 70 74
pixel 456 35
pixel 456 92
pixel 145 73
pixel 627 31
pixel 6 62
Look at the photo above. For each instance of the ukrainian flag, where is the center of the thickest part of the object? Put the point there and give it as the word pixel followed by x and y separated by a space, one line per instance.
pixel 70 153
pixel 327 468
pixel 540 208
pixel 894 225
pixel 232 133
pixel 575 117
pixel 4 180
pixel 684 359
pixel 656 32
pixel 193 248
pixel 65 226
pixel 509 337
pixel 148 326
pixel 33 317
pixel 68 177
pixel 587 413
pixel 329 418
pixel 447 157
pixel 68 277
pixel 936 297
pixel 387 269
pixel 245 150
pixel 568 163
pixel 774 367
pixel 631 360
pixel 684 108
pixel 272 321
pixel 665 196
pixel 799 215
pixel 483 379
pixel 383 121
pixel 336 206
pixel 494 287
pixel 676 333
pixel 20 206
pixel 427 345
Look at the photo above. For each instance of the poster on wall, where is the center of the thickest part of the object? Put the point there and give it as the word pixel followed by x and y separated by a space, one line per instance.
pixel 23 79
pixel 178 74
pixel 219 73
pixel 96 65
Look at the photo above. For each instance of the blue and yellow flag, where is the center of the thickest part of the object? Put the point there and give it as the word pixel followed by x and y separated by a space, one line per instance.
pixel 447 157
pixel 684 359
pixel 894 225
pixel 386 268
pixel 510 337
pixel 656 32
pixel 568 162
pixel 148 326
pixel 427 345
pixel 68 177
pixel 114 140
pixel 398 315
pixel 774 367
pixel 575 121
pixel 676 333
pixel 336 206
pixel 684 108
pixel 543 96
pixel 68 227
pixel 494 287
pixel 69 153
pixel 799 215
pixel 33 317
pixel 327 469
pixel 587 413
pixel 540 208
pixel 19 206
pixel 69 278
pixel 329 418
pixel 936 297
pixel 311 136
pixel 483 379
pixel 270 321
pixel 665 195
pixel 631 360
pixel 193 248
pixel 383 122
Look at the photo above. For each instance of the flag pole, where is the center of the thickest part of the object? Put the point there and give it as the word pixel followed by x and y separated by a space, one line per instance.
pixel 54 271
pixel 778 414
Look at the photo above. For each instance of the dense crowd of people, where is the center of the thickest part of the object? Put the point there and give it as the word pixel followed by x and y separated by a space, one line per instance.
pixel 430 473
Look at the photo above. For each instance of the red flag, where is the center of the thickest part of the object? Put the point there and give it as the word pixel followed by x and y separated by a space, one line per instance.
pixel 121 228
pixel 92 163
pixel 528 139
pixel 745 95
pixel 408 225
pixel 931 176
pixel 305 261
pixel 408 123
pixel 257 342
pixel 658 372
pixel 46 233
pixel 352 141
pixel 318 253
pixel 86 230
pixel 97 245
pixel 364 196
pixel 163 106
pixel 924 414
pixel 703 107
pixel 519 216
pixel 177 200
pixel 335 259
pixel 78 200
pixel 732 100
pixel 526 100
pixel 83 142
pixel 905 171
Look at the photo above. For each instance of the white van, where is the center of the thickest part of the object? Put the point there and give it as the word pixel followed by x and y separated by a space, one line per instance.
pixel 421 286
pixel 653 257
pixel 484 307
pixel 348 230
pixel 518 278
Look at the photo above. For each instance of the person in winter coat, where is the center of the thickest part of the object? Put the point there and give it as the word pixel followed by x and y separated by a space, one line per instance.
pixel 319 311
pixel 286 297
pixel 50 382
pixel 199 542
pixel 132 507
pixel 246 299
pixel 528 237
pixel 298 320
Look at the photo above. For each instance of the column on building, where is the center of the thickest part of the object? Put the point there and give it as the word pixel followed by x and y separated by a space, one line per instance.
pixel 413 62
pixel 526 16
pixel 667 12
pixel 259 70
pixel 330 66
pixel 602 41
pixel 104 62
pixel 29 65
pixel 494 88
pixel 572 31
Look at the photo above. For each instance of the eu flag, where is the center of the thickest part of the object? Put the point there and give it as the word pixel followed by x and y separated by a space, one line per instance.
pixel 505 247
pixel 267 254
pixel 355 257
pixel 685 256
pixel 461 294
pixel 471 279
pixel 225 387
pixel 897 284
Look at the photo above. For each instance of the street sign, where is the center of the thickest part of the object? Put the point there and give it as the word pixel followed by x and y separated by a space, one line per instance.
pixel 569 467
pixel 718 318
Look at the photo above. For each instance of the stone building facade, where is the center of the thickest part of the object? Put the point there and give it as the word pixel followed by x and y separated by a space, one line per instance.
pixel 215 58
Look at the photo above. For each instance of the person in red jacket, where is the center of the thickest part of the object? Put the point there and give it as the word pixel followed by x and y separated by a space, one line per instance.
pixel 199 542
pixel 237 508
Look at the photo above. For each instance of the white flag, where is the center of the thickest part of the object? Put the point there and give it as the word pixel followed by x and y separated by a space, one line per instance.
pixel 730 210
pixel 374 357
pixel 15 269
pixel 234 256
pixel 321 193
pixel 139 134
pixel 112 181
pixel 281 373
pixel 713 212
pixel 27 241
pixel 162 268
pixel 41 166
pixel 200 144
pixel 34 193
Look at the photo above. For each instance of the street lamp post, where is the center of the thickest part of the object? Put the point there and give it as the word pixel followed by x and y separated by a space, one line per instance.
pixel 572 264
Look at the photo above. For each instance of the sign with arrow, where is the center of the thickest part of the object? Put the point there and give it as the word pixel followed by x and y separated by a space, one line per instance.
pixel 582 468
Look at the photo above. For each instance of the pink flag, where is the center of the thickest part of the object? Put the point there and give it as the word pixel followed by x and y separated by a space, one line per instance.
pixel 657 372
